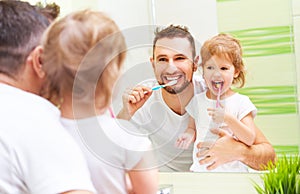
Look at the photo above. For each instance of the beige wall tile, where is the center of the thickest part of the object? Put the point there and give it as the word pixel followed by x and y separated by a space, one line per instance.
pixel 296 7
pixel 208 183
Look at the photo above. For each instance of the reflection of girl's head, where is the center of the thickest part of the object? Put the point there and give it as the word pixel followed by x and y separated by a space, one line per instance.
pixel 83 54
pixel 225 46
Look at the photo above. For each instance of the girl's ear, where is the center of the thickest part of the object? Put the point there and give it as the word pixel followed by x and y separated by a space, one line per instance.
pixel 236 74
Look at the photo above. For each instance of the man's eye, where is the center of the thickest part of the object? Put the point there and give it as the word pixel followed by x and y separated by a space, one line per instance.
pixel 209 67
pixel 180 58
pixel 162 59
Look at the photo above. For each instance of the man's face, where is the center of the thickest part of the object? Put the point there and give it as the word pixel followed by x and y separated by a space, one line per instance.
pixel 173 60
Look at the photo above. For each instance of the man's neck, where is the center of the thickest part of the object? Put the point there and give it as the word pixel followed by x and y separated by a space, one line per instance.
pixel 178 102
pixel 21 83
pixel 4 79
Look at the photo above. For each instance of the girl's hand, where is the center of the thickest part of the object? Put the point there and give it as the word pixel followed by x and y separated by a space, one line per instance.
pixel 217 114
pixel 184 140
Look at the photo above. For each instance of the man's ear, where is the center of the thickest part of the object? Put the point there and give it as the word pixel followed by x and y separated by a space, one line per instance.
pixel 195 63
pixel 36 62
pixel 152 62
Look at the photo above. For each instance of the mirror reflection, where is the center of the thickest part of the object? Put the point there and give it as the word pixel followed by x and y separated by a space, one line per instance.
pixel 266 33
pixel 268 43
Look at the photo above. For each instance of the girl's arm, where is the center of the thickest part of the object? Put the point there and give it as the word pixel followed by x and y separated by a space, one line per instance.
pixel 144 176
pixel 244 129
pixel 185 139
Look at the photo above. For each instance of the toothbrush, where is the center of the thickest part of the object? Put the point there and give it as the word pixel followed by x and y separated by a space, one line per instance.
pixel 162 86
pixel 218 85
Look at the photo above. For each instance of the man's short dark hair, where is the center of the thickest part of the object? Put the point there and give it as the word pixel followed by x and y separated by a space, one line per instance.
pixel 21 29
pixel 174 31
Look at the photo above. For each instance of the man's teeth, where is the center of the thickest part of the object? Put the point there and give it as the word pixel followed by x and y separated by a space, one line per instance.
pixel 171 78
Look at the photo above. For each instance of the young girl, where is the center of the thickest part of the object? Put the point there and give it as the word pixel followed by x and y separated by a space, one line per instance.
pixel 220 108
pixel 83 56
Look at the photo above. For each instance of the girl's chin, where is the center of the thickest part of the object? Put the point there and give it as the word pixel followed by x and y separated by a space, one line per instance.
pixel 214 91
pixel 211 94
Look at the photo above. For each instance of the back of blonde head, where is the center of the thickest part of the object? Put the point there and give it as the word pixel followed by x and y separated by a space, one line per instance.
pixel 85 41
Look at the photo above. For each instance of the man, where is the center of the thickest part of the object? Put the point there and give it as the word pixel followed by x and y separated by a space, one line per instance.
pixel 36 154
pixel 162 113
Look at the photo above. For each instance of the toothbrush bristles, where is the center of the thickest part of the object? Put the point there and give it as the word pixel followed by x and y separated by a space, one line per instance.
pixel 173 82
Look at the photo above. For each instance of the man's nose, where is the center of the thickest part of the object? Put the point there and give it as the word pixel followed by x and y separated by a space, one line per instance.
pixel 171 66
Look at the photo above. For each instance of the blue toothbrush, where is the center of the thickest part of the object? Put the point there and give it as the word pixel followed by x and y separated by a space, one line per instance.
pixel 162 86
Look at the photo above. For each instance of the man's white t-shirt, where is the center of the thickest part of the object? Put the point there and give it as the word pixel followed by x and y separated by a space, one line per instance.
pixel 37 155
pixel 163 127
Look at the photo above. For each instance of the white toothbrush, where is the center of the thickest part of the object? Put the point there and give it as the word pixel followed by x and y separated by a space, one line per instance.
pixel 162 86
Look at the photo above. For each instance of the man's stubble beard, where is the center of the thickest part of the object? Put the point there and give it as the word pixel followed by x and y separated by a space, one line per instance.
pixel 175 90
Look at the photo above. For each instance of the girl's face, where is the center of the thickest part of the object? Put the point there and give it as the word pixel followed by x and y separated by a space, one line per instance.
pixel 218 73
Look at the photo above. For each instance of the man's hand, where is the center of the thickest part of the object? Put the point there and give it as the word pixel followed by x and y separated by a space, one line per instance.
pixel 224 150
pixel 133 99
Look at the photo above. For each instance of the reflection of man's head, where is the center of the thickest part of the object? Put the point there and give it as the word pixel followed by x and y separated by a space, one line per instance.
pixel 173 57
pixel 174 32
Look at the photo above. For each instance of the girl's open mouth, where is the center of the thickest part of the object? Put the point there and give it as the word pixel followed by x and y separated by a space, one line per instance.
pixel 217 84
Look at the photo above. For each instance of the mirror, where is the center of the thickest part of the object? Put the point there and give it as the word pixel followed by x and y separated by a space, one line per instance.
pixel 265 29
pixel 267 36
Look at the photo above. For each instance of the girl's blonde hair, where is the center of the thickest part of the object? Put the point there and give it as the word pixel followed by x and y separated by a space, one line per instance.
pixel 77 50
pixel 225 45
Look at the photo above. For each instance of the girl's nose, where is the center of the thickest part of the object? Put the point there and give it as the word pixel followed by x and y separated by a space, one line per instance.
pixel 217 73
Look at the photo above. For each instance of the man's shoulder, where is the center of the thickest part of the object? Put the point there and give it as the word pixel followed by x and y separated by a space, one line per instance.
pixel 199 84
pixel 13 99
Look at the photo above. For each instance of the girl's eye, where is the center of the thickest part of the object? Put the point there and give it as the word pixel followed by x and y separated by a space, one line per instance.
pixel 209 67
pixel 224 68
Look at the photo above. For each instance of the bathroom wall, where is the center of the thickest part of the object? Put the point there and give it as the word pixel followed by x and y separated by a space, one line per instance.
pixel 296 24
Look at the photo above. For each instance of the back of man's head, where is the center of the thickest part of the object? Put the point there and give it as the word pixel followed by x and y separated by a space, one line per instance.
pixel 21 28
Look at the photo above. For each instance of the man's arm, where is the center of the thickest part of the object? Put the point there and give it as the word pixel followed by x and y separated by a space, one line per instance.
pixel 226 149
pixel 258 156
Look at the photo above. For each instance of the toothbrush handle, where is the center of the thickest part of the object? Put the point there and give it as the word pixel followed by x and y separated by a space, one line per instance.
pixel 157 87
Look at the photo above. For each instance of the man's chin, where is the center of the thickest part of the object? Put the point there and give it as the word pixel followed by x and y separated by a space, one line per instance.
pixel 170 90
pixel 176 89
